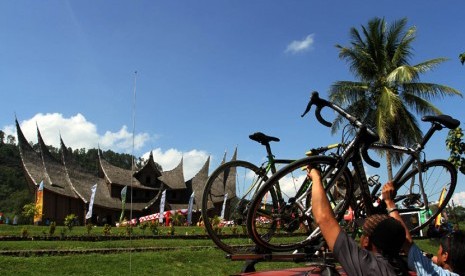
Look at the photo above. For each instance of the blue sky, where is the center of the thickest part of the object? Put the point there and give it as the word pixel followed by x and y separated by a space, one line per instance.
pixel 209 73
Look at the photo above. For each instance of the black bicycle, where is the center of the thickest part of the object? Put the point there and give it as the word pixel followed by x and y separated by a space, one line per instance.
pixel 418 182
pixel 229 190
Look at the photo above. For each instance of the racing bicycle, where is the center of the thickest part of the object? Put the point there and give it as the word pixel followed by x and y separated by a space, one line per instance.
pixel 229 190
pixel 418 182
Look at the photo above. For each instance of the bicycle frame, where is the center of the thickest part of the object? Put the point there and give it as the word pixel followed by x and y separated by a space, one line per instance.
pixel 356 151
pixel 270 165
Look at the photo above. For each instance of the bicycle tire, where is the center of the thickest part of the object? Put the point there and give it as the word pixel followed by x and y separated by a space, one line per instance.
pixel 298 227
pixel 232 239
pixel 436 175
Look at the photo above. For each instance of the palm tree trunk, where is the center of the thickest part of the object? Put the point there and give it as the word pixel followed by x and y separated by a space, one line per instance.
pixel 389 165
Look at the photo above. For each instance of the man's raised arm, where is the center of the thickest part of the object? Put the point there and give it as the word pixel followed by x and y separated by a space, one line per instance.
pixel 322 211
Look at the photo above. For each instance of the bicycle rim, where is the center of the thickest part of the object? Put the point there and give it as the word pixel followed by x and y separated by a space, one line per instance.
pixel 289 225
pixel 226 195
pixel 436 176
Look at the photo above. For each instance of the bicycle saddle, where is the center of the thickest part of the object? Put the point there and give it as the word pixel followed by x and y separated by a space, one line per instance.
pixel 444 120
pixel 263 138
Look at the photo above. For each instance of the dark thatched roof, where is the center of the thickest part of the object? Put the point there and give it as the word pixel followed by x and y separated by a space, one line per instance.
pixel 174 178
pixel 119 176
pixel 198 184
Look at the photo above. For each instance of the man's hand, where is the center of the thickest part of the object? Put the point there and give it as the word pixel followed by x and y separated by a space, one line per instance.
pixel 313 174
pixel 388 194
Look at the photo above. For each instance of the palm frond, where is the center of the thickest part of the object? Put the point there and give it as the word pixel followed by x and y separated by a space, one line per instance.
pixel 346 92
pixel 388 106
pixel 420 105
pixel 402 74
pixel 429 91
pixel 401 47
pixel 429 64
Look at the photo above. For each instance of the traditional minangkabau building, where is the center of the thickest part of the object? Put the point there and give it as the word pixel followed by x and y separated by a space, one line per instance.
pixel 67 186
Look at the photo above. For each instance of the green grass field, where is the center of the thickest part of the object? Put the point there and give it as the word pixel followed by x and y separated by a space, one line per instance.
pixel 184 257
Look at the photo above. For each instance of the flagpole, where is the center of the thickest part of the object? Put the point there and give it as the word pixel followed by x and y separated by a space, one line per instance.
pixel 133 161
pixel 133 139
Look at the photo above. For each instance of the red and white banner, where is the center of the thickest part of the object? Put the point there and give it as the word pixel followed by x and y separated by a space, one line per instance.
pixel 156 216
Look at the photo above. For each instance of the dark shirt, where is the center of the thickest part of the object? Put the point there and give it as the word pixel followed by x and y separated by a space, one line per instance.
pixel 357 261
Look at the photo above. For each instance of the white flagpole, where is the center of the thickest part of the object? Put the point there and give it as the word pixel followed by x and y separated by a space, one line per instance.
pixel 133 139
pixel 133 161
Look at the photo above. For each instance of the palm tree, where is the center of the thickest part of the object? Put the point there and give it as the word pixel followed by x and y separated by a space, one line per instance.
pixel 388 92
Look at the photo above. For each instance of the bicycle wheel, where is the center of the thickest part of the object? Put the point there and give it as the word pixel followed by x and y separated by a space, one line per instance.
pixel 290 226
pixel 226 195
pixel 420 209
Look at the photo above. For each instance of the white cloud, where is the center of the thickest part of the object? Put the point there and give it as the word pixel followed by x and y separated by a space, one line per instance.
pixel 77 133
pixel 123 139
pixel 298 46
pixel 459 198
pixel 169 159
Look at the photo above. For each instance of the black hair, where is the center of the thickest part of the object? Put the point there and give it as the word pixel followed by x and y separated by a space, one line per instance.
pixel 388 235
pixel 454 245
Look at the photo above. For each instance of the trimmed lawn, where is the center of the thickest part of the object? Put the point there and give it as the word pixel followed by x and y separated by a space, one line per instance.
pixel 185 257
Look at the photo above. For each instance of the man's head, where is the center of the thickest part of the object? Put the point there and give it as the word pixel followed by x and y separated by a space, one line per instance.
pixel 452 252
pixel 383 233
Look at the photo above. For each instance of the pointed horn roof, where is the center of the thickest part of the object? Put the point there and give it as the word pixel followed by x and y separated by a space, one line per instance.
pixel 30 160
pixel 149 165
pixel 22 141
pixel 198 182
pixel 234 157
pixel 56 177
pixel 224 158
pixel 174 178
pixel 43 147
pixel 65 156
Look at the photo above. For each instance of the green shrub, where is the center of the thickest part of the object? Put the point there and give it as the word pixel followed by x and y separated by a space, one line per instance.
pixel 89 228
pixel 171 231
pixel 63 232
pixel 24 232
pixel 107 229
pixel 143 226
pixel 154 227
pixel 129 229
pixel 52 228
pixel 70 221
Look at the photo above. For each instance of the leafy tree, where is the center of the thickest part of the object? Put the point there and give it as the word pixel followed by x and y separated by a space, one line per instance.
pixel 388 92
pixel 11 139
pixel 456 146
pixel 29 211
pixel 2 137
